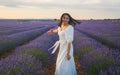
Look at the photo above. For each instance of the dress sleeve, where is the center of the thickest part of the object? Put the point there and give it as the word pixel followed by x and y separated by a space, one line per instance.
pixel 69 34
pixel 58 28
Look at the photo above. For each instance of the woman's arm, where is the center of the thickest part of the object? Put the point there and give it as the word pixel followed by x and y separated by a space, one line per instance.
pixel 68 47
pixel 51 31
pixel 69 34
pixel 68 50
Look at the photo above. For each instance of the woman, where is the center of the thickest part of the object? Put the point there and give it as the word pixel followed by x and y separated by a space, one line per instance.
pixel 65 64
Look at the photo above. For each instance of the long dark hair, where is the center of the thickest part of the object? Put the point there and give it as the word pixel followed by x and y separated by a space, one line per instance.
pixel 72 21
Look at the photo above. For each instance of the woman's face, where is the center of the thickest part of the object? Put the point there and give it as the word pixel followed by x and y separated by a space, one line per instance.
pixel 65 19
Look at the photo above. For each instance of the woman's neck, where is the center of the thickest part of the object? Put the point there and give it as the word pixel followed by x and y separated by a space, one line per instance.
pixel 65 24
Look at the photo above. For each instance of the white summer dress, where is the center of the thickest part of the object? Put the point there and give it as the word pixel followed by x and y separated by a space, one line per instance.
pixel 64 66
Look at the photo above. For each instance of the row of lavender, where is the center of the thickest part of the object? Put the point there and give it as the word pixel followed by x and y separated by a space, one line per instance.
pixel 16 30
pixel 20 24
pixel 105 31
pixel 95 58
pixel 15 33
pixel 32 58
pixel 12 41
pixel 11 27
pixel 29 59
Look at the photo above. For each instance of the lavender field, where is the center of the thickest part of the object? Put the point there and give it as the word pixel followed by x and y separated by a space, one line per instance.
pixel 24 47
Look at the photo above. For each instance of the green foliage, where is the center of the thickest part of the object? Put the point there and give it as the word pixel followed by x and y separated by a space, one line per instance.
pixel 38 54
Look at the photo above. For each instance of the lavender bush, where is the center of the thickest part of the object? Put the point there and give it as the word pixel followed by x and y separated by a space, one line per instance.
pixel 15 40
pixel 106 32
pixel 94 56
pixel 30 59
pixel 33 58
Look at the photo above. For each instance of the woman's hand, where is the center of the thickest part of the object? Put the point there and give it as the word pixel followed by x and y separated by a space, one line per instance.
pixel 50 31
pixel 68 56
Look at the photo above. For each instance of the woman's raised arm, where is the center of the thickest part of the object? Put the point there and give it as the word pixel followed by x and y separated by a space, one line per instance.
pixel 51 31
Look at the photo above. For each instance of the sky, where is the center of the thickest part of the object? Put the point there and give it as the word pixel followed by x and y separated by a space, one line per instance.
pixel 78 9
